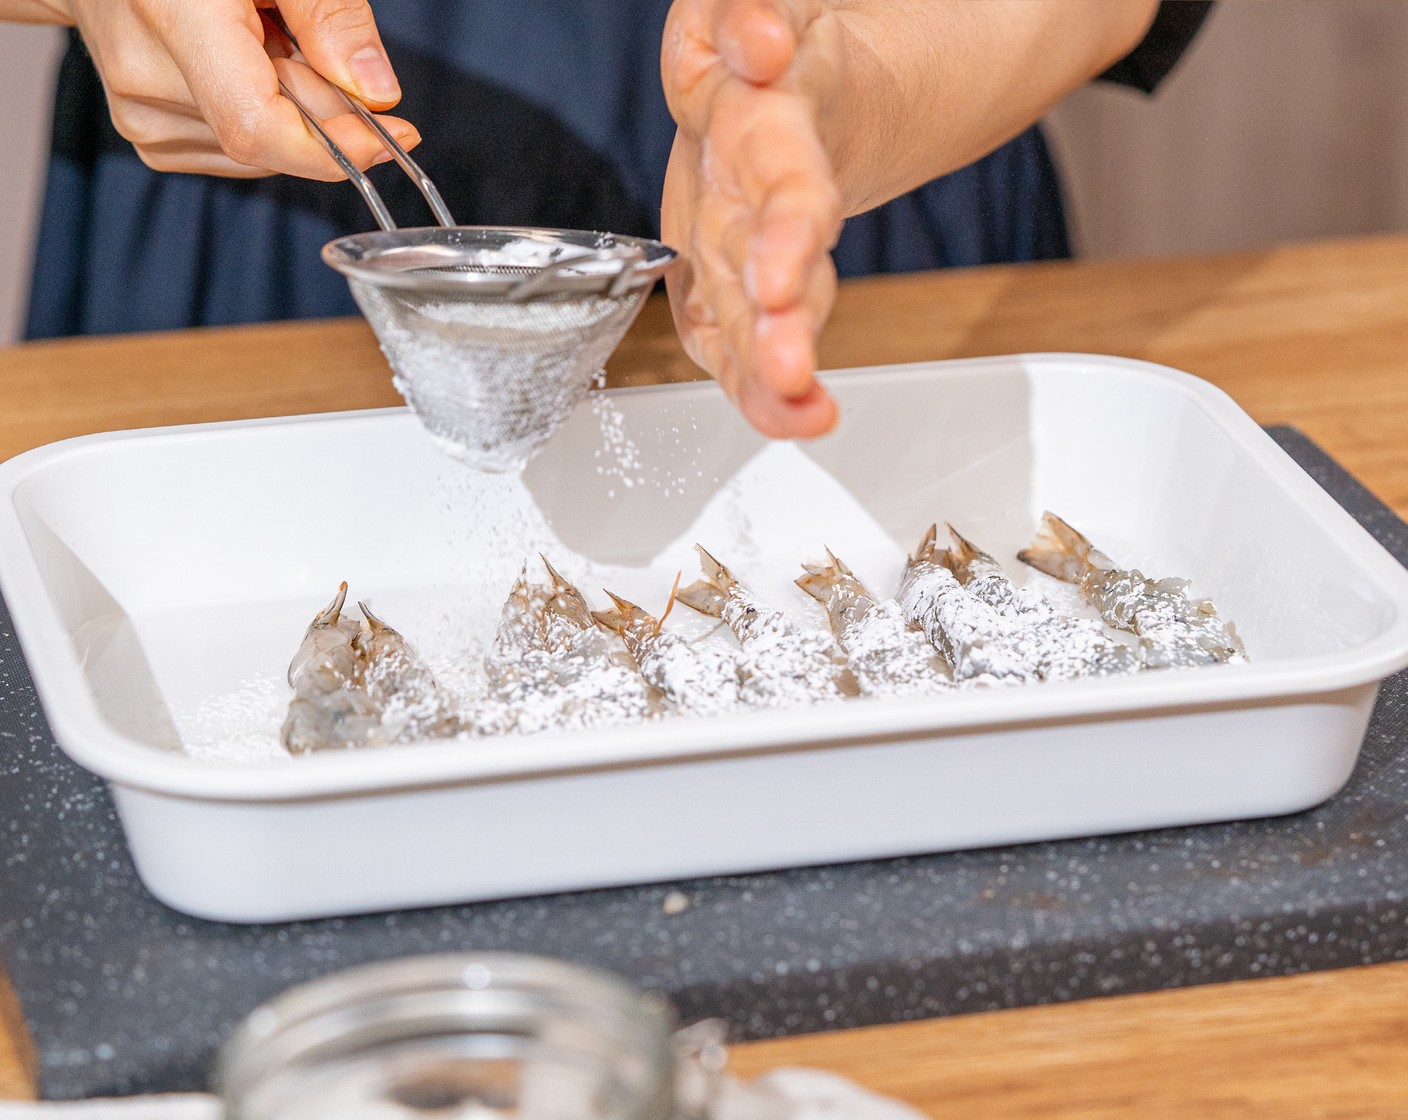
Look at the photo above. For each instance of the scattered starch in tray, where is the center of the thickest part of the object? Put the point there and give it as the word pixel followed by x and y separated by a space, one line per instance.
pixel 240 726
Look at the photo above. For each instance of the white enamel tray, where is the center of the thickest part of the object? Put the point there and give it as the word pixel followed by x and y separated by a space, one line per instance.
pixel 151 574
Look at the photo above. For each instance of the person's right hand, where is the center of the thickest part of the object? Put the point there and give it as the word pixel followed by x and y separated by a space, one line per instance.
pixel 191 84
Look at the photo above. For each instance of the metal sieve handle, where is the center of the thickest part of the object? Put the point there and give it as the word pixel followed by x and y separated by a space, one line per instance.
pixel 369 193
pixel 354 173
pixel 423 181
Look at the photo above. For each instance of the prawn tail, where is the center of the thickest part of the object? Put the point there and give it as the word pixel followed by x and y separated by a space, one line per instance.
pixel 817 583
pixel 928 551
pixel 1061 551
pixel 620 616
pixel 558 582
pixel 821 579
pixel 612 620
pixel 708 594
pixel 377 625
pixel 329 615
pixel 960 557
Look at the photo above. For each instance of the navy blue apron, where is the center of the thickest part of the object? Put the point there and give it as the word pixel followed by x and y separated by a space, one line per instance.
pixel 543 112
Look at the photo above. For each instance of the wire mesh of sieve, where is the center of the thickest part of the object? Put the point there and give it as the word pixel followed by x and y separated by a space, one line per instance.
pixel 495 334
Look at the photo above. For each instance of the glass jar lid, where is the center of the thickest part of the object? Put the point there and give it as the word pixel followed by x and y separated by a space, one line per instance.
pixel 454 1037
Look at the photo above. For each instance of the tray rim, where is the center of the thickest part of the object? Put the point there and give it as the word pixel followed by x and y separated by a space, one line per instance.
pixel 84 735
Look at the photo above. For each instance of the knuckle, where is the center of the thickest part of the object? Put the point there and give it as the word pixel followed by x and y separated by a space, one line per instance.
pixel 241 137
pixel 156 159
pixel 123 119
pixel 338 19
pixel 139 126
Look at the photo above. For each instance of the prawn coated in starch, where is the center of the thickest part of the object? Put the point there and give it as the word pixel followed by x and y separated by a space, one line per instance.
pixel 1060 646
pixel 551 667
pixel 696 679
pixel 783 666
pixel 1175 631
pixel 983 578
pixel 411 702
pixel 967 631
pixel 887 655
pixel 996 634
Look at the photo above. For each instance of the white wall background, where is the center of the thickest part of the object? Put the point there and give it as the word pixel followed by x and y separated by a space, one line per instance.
pixel 28 61
pixel 1287 120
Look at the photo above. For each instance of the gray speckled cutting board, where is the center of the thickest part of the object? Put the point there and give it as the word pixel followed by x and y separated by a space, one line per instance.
pixel 123 995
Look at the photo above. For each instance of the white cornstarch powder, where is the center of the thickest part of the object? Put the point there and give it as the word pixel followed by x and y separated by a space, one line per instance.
pixel 241 725
pixel 784 666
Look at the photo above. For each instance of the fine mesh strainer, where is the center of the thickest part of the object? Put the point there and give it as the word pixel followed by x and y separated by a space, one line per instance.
pixel 494 334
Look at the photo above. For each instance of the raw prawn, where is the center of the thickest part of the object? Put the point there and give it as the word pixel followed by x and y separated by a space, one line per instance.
pixel 552 667
pixel 782 665
pixel 1175 631
pixel 1063 647
pixel 696 679
pixel 886 654
pixel 361 685
pixel 329 708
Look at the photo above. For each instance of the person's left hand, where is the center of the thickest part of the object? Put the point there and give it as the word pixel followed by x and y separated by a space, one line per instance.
pixel 751 201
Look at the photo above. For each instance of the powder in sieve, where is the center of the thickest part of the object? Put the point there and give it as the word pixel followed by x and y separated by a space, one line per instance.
pixel 489 378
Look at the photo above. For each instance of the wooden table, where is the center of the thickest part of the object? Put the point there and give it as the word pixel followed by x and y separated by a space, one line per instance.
pixel 1311 335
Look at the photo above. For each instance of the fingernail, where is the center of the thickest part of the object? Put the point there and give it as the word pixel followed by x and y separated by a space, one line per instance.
pixel 375 79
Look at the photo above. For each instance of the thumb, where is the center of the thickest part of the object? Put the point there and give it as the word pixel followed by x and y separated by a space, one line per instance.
pixel 340 40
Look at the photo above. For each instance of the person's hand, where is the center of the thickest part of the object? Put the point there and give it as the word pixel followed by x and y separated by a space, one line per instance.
pixel 750 199
pixel 191 84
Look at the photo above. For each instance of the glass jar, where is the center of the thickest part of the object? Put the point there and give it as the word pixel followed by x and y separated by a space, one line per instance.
pixel 464 1037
